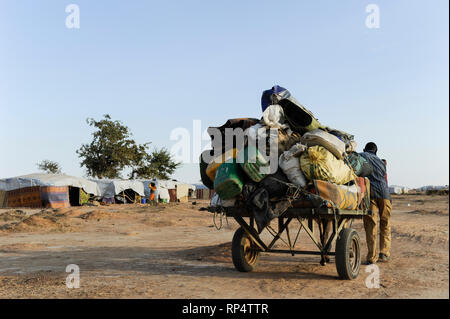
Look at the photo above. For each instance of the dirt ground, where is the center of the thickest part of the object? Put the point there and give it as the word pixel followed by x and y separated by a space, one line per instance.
pixel 175 251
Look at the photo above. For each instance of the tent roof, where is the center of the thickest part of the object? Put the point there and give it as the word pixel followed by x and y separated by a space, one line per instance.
pixel 41 179
pixel 110 187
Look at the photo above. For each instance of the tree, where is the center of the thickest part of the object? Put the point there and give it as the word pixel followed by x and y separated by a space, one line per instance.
pixel 158 164
pixel 113 149
pixel 49 167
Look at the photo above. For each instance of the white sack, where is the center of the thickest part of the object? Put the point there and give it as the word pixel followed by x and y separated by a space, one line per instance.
pixel 290 164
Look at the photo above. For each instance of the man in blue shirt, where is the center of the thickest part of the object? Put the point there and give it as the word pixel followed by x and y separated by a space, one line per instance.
pixel 380 204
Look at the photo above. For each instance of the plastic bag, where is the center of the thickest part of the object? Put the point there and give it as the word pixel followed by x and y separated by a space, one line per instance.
pixel 217 201
pixel 273 116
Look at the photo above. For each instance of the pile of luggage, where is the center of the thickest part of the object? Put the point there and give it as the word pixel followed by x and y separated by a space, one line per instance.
pixel 257 162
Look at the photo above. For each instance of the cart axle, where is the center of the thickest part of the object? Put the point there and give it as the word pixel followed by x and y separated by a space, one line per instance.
pixel 298 252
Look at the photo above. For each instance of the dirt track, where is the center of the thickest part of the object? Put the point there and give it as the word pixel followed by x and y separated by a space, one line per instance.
pixel 137 251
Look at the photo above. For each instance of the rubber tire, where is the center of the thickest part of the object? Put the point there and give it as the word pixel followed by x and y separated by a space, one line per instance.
pixel 237 252
pixel 343 243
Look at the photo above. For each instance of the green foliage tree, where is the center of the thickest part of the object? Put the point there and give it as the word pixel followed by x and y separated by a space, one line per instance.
pixel 113 149
pixel 49 167
pixel 157 164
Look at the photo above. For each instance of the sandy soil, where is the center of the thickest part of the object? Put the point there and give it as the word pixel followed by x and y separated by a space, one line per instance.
pixel 174 251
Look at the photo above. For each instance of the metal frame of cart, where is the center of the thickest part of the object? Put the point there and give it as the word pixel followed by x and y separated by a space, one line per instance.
pixel 247 244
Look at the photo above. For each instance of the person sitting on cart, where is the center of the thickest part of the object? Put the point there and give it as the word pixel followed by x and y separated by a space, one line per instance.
pixel 380 204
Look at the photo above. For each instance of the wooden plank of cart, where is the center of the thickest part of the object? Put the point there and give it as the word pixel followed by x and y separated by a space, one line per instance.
pixel 247 244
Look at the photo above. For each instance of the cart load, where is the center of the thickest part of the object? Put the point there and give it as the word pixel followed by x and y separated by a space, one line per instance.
pixel 287 166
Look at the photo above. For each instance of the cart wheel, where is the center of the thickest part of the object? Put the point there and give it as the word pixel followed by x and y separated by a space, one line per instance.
pixel 348 254
pixel 244 251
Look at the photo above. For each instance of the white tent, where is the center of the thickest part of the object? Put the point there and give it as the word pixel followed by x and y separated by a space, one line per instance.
pixel 111 187
pixel 395 189
pixel 40 179
pixel 182 188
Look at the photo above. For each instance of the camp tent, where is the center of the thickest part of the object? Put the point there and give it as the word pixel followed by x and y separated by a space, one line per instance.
pixel 203 192
pixel 39 179
pixel 167 190
pixel 147 183
pixel 109 188
pixel 53 190
pixel 178 191
pixel 78 189
pixel 395 190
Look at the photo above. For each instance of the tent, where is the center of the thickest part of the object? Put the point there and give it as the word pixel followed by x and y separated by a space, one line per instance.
pixel 39 196
pixel 178 191
pixel 147 183
pixel 395 190
pixel 37 190
pixel 203 192
pixel 38 179
pixel 109 188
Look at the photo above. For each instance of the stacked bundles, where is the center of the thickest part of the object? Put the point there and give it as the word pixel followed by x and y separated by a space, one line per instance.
pixel 309 155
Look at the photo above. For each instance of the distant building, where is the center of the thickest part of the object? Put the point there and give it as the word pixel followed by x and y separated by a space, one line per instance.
pixel 395 189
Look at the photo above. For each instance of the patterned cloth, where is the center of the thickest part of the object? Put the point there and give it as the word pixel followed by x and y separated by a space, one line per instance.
pixel 55 196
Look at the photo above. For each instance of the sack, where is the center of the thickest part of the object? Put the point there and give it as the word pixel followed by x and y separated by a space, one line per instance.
pixel 286 139
pixel 290 165
pixel 343 197
pixel 327 140
pixel 318 163
pixel 273 116
pixel 360 165
pixel 348 139
pixel 216 162
pixel 229 180
pixel 203 166
pixel 253 163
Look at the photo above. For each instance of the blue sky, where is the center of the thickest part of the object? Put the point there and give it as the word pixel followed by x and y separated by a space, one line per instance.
pixel 160 65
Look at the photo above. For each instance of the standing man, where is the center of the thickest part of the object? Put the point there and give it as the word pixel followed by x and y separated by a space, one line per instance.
pixel 153 199
pixel 380 204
